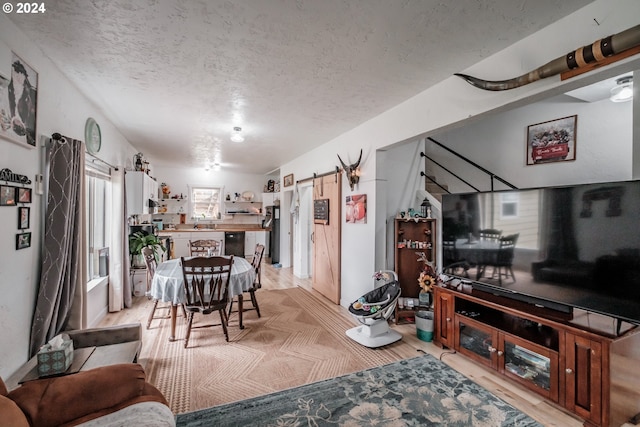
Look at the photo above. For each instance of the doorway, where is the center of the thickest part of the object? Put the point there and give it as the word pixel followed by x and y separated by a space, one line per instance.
pixel 303 232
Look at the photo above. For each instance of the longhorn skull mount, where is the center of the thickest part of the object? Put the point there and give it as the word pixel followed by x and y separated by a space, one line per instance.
pixel 581 57
pixel 352 171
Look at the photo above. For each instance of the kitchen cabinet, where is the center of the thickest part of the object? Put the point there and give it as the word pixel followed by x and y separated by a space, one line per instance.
pixel 142 190
pixel 253 238
pixel 180 244
pixel 579 361
pixel 210 235
pixel 261 238
pixel 249 243
pixel 181 240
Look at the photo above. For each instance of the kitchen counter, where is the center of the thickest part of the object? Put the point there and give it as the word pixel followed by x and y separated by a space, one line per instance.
pixel 222 228
pixel 236 238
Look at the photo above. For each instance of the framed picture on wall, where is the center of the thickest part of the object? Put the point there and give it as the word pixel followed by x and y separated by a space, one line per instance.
pixel 356 209
pixel 24 195
pixel 552 141
pixel 288 180
pixel 7 195
pixel 23 218
pixel 23 240
pixel 18 103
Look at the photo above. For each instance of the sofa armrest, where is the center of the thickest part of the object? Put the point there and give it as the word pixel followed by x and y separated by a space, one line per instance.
pixel 105 336
pixel 84 395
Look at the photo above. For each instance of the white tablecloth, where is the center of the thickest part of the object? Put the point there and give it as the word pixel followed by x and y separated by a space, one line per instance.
pixel 168 282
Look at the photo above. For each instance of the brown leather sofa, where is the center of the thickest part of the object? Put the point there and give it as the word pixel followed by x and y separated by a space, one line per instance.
pixel 74 399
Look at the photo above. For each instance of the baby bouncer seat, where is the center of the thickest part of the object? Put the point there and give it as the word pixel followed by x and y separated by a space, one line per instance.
pixel 373 309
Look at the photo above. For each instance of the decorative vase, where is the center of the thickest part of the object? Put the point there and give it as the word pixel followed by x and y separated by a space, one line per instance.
pixel 425 298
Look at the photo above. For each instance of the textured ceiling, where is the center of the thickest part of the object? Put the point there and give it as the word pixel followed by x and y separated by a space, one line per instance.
pixel 176 76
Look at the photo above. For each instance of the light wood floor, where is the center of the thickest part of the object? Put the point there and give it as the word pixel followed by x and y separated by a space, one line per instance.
pixel 545 412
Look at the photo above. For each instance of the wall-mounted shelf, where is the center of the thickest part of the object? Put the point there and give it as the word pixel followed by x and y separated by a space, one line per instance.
pixel 242 207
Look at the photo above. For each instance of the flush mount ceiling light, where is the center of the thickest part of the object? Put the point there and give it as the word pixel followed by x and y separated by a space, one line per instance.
pixel 623 90
pixel 236 135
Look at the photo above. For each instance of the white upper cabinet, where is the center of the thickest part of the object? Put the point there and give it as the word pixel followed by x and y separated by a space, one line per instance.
pixel 141 189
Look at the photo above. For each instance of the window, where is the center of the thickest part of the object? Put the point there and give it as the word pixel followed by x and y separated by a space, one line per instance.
pixel 509 205
pixel 206 202
pixel 98 199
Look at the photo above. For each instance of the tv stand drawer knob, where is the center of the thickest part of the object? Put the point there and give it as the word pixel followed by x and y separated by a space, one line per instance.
pixel 569 371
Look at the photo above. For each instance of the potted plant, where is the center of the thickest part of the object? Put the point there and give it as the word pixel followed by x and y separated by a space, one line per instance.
pixel 139 240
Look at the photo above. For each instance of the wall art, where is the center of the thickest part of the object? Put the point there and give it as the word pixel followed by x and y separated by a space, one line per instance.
pixel 356 209
pixel 7 195
pixel 23 195
pixel 552 141
pixel 23 240
pixel 288 180
pixel 18 103
pixel 23 217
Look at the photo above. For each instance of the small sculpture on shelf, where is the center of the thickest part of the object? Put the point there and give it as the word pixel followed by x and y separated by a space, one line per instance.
pixel 166 190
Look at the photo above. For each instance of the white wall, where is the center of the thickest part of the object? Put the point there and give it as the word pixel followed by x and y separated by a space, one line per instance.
pixel 61 108
pixel 453 101
pixel 498 143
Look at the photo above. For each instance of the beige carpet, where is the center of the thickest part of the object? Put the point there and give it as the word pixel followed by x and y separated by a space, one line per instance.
pixel 299 339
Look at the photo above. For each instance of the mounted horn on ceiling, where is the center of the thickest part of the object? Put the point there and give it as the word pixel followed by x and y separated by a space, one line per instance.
pixel 352 171
pixel 593 53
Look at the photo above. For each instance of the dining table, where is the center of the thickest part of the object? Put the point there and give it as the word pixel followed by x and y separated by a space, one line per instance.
pixel 478 252
pixel 167 285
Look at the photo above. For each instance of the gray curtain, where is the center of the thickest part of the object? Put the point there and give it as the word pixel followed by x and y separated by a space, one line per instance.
pixel 60 304
pixel 119 285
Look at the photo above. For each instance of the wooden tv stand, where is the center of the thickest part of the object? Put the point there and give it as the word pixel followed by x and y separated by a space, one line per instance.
pixel 584 362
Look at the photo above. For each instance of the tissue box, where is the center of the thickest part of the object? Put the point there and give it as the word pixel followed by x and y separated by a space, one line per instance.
pixel 55 360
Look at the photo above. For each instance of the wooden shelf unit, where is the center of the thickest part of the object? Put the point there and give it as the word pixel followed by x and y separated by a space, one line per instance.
pixel 412 237
pixel 591 371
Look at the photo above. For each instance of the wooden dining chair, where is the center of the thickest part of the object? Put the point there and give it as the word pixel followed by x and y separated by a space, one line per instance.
pixel 151 263
pixel 503 265
pixel 256 263
pixel 205 247
pixel 206 281
pixel 451 261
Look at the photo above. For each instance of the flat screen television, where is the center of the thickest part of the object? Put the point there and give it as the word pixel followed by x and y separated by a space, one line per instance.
pixel 575 246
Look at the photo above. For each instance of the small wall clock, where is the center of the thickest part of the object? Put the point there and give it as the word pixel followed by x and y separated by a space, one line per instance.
pixel 92 136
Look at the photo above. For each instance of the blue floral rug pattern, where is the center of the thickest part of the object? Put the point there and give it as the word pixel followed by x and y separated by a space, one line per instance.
pixel 415 392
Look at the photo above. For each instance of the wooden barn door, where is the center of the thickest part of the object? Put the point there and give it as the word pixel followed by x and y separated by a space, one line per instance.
pixel 326 236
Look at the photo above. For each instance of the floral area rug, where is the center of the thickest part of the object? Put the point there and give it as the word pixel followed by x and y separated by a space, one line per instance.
pixel 421 391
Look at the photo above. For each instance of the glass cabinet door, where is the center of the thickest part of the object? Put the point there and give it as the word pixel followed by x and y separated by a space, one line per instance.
pixel 476 340
pixel 535 367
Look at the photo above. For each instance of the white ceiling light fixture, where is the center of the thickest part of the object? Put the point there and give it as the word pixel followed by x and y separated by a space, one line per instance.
pixel 216 167
pixel 236 135
pixel 623 90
